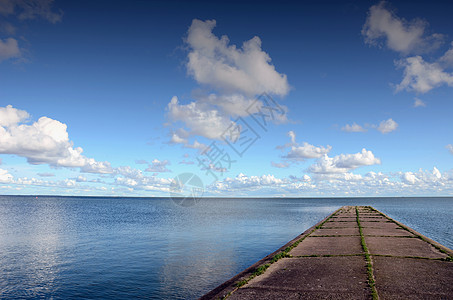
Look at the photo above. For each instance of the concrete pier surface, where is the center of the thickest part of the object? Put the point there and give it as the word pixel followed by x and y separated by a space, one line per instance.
pixel 355 253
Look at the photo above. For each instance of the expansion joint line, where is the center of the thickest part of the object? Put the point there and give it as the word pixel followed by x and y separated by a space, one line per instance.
pixel 371 281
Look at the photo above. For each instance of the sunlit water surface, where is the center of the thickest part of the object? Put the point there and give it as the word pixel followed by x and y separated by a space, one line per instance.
pixel 93 248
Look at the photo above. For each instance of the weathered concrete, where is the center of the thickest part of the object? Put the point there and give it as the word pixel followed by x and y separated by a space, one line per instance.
pixel 342 245
pixel 336 231
pixel 386 232
pixel 328 261
pixel 395 246
pixel 315 277
pixel 407 278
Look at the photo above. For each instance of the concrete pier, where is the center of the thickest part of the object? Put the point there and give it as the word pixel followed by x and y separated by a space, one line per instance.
pixel 355 253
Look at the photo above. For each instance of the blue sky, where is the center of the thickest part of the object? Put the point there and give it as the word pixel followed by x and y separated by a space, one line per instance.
pixel 119 98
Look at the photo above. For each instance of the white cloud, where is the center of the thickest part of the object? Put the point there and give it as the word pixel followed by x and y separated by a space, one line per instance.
pixel 30 9
pixel 158 166
pixel 176 139
pixel 11 116
pixel 347 184
pixel 81 178
pixel 447 58
pixel 134 178
pixel 43 142
pixel 5 177
pixel 46 174
pixel 237 75
pixel 387 126
pixel 292 135
pixel 398 34
pixel 353 128
pixel 9 49
pixel 450 148
pixel 409 177
pixel 196 145
pixel 344 162
pixel 201 119
pixel 384 127
pixel 421 76
pixel 244 182
pixel 233 105
pixel 306 151
pixel 247 70
pixel 282 165
pixel 424 178
pixel 419 103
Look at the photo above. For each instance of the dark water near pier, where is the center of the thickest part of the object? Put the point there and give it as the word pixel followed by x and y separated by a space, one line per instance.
pixel 68 247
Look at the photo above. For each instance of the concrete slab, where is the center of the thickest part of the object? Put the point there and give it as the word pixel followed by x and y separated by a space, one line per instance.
pixel 313 277
pixel 406 278
pixel 382 225
pixel 386 232
pixel 328 246
pixel 343 220
pixel 402 247
pixel 368 219
pixel 278 294
pixel 333 224
pixel 336 231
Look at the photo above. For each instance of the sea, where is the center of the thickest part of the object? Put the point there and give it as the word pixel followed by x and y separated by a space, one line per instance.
pixel 54 247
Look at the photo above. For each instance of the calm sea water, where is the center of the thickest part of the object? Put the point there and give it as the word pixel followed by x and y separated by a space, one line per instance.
pixel 93 248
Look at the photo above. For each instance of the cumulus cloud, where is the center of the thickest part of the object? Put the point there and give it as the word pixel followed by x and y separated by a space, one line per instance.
pixel 421 177
pixel 409 177
pixel 9 49
pixel 421 76
pixel 11 116
pixel 244 182
pixel 199 119
pixel 306 151
pixel 235 74
pixel 344 162
pixel 212 61
pixel 383 26
pixel 450 148
pixel 431 182
pixel 158 166
pixel 81 178
pixel 134 178
pixel 234 105
pixel 387 126
pixel 447 58
pixel 45 141
pixel 299 152
pixel 30 9
pixel 353 128
pixel 419 102
pixel 5 177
